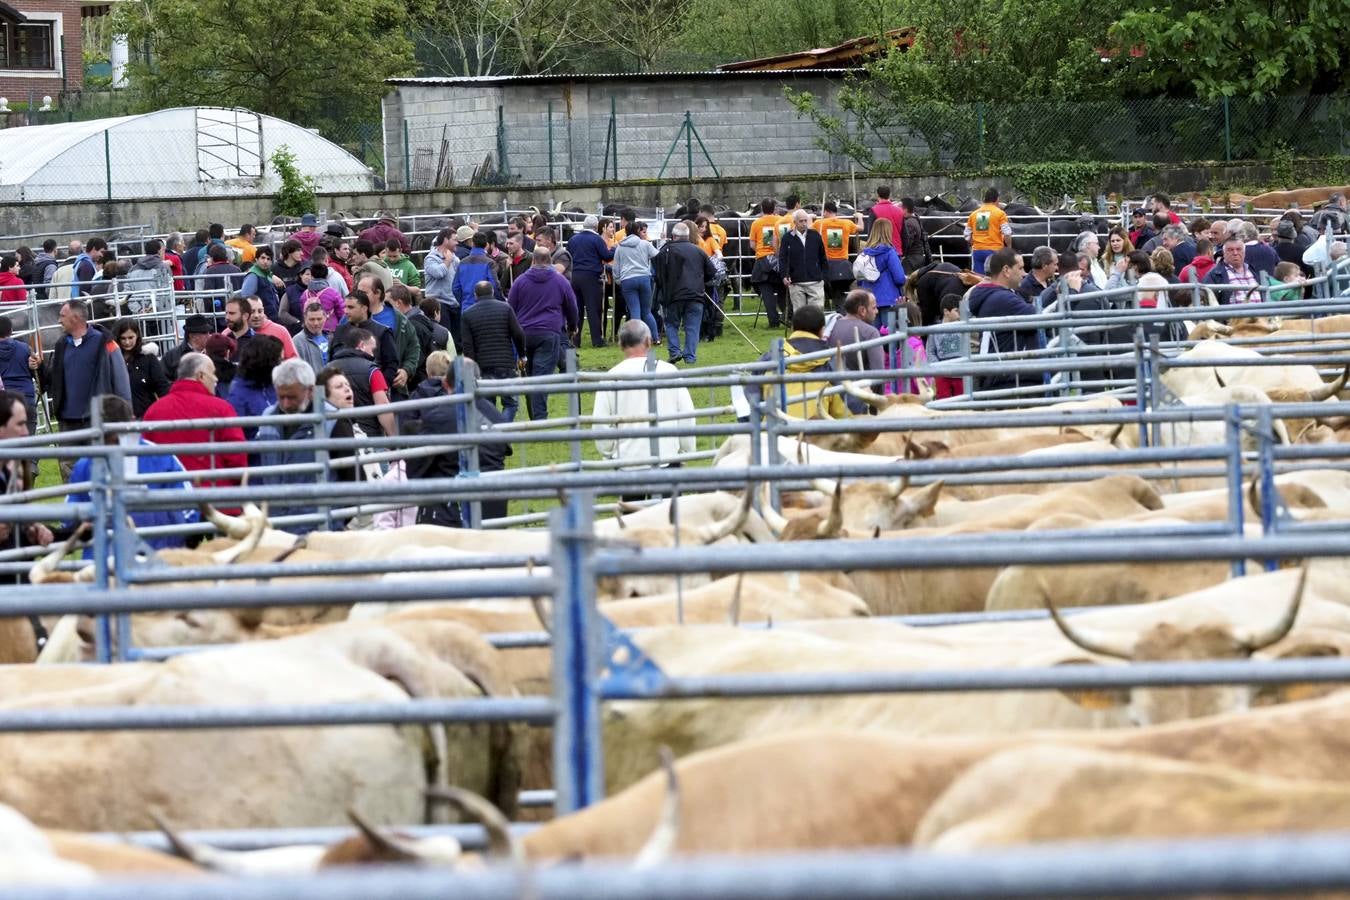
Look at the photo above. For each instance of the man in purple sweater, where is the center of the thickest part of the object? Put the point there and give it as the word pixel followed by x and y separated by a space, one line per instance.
pixel 545 305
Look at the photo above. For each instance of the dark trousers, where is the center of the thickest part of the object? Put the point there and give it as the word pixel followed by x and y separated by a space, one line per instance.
pixel 542 349
pixel 68 462
pixel 450 319
pixel 771 295
pixel 590 292
pixel 508 402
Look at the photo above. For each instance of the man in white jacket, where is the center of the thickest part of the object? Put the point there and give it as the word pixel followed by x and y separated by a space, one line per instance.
pixel 633 408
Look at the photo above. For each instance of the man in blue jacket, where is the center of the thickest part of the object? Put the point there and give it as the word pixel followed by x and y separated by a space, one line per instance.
pixel 996 297
pixel 472 269
pixel 589 254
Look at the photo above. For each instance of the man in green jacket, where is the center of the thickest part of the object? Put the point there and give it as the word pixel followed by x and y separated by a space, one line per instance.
pixel 400 265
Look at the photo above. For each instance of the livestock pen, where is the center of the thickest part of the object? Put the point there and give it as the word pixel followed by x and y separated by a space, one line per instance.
pixel 595 663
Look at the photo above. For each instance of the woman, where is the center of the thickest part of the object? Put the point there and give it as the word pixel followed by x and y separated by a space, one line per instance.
pixel 708 241
pixel 338 262
pixel 879 258
pixel 148 381
pixel 1163 263
pixel 1088 244
pixel 12 288
pixel 711 244
pixel 1117 245
pixel 1127 269
pixel 251 392
pixel 633 269
pixel 314 287
pixel 337 390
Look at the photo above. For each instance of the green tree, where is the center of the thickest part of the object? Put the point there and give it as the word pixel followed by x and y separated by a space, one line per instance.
pixel 303 60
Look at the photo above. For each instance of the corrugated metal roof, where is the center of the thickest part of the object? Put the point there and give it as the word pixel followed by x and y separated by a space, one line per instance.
pixel 489 80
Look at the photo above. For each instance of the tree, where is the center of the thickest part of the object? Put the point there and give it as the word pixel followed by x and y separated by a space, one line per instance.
pixel 303 60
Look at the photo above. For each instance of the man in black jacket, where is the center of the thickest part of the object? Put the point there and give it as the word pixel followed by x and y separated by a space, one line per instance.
pixel 493 339
pixel 682 273
pixel 802 263
pixel 195 332
pixel 386 351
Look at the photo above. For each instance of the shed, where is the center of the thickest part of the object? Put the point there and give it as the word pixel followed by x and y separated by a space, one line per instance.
pixel 192 151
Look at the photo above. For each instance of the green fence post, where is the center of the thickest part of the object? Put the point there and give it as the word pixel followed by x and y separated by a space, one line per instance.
pixel 550 142
pixel 1227 132
pixel 689 142
pixel 107 160
pixel 979 128
pixel 614 133
pixel 407 159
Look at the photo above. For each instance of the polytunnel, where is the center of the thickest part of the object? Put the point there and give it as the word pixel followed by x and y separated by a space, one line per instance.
pixel 189 151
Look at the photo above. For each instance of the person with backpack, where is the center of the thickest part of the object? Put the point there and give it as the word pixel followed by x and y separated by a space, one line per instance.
pixel 261 283
pixel 878 269
pixel 997 297
pixel 86 265
pixel 44 267
pixel 808 329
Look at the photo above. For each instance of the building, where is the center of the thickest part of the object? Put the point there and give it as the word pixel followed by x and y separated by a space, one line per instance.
pixel 41 48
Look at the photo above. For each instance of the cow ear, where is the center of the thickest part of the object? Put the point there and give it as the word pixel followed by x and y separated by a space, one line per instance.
pixel 1270 694
pixel 1095 700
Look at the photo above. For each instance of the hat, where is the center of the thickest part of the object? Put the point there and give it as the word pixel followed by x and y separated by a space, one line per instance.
pixel 196 325
pixel 1140 212
pixel 1286 230
pixel 386 217
pixel 335 229
pixel 309 219
pixel 590 222
pixel 220 345
pixel 463 233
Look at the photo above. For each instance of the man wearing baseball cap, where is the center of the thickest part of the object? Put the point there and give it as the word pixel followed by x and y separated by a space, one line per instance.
pixel 195 332
pixel 308 235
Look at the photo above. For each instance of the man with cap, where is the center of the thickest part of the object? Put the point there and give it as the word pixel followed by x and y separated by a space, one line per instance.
pixel 589 253
pixel 1333 214
pixel 1286 245
pixel 385 228
pixel 1141 232
pixel 195 332
pixel 464 238
pixel 308 234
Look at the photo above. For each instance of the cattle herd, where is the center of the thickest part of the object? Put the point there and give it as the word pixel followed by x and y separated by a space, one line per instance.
pixel 936 771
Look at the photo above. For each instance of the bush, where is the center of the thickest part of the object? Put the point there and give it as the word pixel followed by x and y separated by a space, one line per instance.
pixel 296 196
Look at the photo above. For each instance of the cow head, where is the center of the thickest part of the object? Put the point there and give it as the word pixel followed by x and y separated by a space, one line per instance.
pixel 860 509
pixel 1165 642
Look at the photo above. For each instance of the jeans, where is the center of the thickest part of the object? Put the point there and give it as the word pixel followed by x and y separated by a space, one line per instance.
pixel 542 349
pixel 450 319
pixel 509 403
pixel 977 260
pixel 590 291
pixel 690 313
pixel 637 293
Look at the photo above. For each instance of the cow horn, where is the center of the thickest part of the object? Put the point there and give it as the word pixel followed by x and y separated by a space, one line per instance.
pixel 871 398
pixel 775 521
pixel 802 452
pixel 46 568
pixel 1254 495
pixel 714 532
pixel 230 526
pixel 1281 628
pixel 822 412
pixel 541 613
pixel 734 611
pixel 896 486
pixel 1219 379
pixel 1098 644
pixel 664 836
pixel 1327 391
pixel 212 859
pixel 618 518
pixel 825 485
pixel 502 844
pixel 257 521
pixel 831 527
pixel 389 846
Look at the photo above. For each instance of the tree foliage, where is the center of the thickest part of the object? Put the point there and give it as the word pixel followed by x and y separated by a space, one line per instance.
pixel 296 194
pixel 306 61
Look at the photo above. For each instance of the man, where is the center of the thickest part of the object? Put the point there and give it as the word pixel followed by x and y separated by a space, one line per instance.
pixel 150 283
pixel 262 283
pixel 1162 205
pixel 545 305
pixel 287 269
pixel 1044 268
pixel 1287 248
pixel 366 261
pixel 358 304
pixel 1161 223
pixel 195 252
pixel 354 357
pixel 383 231
pixel 242 243
pixel 340 261
pixel 401 266
pixel 915 240
pixel 14 424
pixel 808 324
pixel 221 278
pixel 837 232
pixel 45 266
pixel 635 340
pixel 258 321
pixel 407 346
pixel 791 204
pixel 1218 233
pixel 802 263
pixel 682 272
pixel 401 299
pixel 115 409
pixel 854 327
pixel 517 260
pixel 86 266
pixel 1233 269
pixel 193 396
pixel 294 384
pixel 440 335
pixel 464 238
pixel 547 238
pixel 1333 214
pixel 987 230
pixel 238 318
pixel 311 344
pixel 764 277
pixel 472 269
pixel 1177 241
pixel 995 297
pixel 494 340
pixel 196 330
pixel 1141 229
pixel 86 363
pixel 438 282
pixel 883 208
pixel 519 227
pixel 1261 258
pixel 589 254
pixel 18 364
pixel 307 235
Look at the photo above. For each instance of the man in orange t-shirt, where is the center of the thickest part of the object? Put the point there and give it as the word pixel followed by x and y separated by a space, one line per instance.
pixel 987 230
pixel 764 277
pixel 837 232
pixel 793 203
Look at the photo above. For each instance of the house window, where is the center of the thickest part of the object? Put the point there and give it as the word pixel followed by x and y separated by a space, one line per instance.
pixel 31 45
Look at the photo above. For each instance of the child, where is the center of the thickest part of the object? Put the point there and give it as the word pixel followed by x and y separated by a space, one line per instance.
pixel 942 347
pixel 918 357
pixel 1287 273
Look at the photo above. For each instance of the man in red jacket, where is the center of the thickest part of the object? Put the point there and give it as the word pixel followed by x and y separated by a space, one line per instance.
pixel 193 396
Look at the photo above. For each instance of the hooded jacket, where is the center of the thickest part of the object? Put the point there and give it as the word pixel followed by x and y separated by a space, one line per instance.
pixel 12 288
pixel 802 395
pixel 887 288
pixel 543 301
pixel 44 270
pixel 14 371
pixel 258 283
pixel 472 269
pixel 989 300
pixel 633 258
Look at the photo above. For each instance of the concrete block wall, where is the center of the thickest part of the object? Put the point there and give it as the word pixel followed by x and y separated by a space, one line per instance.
pixel 466 119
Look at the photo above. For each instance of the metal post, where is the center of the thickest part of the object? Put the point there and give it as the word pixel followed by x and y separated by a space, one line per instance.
pixel 1141 386
pixel 550 142
pixel 772 425
pixel 466 420
pixel 614 134
pixel 578 764
pixel 967 381
pixel 1154 354
pixel 574 406
pixel 98 493
pixel 649 367
pixel 1266 461
pixel 107 165
pixel 1227 132
pixel 1233 434
pixel 689 142
pixel 902 347
pixel 318 406
pixel 407 158
pixel 123 532
pixel 502 161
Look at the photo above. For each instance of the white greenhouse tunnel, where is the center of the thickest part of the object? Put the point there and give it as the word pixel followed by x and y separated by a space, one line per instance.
pixel 184 152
